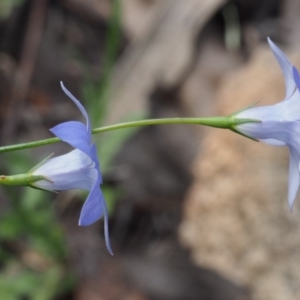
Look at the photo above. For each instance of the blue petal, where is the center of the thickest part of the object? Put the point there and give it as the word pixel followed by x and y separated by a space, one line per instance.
pixel 288 110
pixel 282 132
pixel 273 142
pixel 286 68
pixel 92 209
pixel 294 176
pixel 75 134
pixel 296 77
pixel 94 157
pixel 106 232
pixel 74 170
pixel 79 105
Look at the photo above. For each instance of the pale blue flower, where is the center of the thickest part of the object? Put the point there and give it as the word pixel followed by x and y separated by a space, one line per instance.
pixel 78 169
pixel 279 124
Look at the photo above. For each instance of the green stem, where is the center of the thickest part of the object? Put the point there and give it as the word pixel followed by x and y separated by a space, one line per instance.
pixel 219 122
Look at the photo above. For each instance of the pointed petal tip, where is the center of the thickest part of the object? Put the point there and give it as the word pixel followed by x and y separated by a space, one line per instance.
pixel 62 85
pixel 291 205
pixel 285 66
pixel 106 231
pixel 78 104
pixel 278 53
pixel 86 219
pixel 82 223
pixel 66 91
pixel 271 43
pixel 109 250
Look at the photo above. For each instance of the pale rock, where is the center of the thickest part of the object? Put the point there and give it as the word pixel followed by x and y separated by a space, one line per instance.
pixel 236 219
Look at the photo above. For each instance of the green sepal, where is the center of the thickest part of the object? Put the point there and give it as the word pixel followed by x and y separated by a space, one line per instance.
pixel 25 179
pixel 243 109
pixel 40 164
pixel 238 121
pixel 41 189
pixel 244 135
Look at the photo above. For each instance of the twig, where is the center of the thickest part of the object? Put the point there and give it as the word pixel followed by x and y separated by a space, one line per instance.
pixel 24 73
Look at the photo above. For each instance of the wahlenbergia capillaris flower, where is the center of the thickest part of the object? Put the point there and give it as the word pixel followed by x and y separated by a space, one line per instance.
pixel 279 124
pixel 78 169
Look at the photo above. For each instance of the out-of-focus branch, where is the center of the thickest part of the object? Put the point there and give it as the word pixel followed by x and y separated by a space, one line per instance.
pixel 163 54
pixel 31 45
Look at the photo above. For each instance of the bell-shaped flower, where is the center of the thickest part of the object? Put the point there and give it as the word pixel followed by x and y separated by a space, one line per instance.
pixel 78 169
pixel 74 170
pixel 279 124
